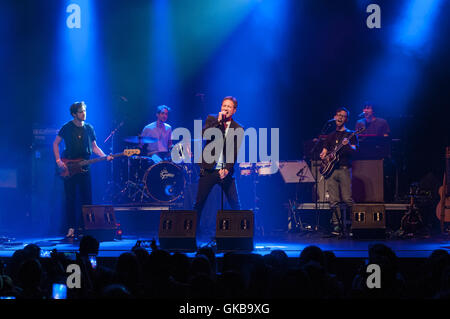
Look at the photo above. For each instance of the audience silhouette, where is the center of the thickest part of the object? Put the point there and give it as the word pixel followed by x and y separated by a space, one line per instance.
pixel 159 274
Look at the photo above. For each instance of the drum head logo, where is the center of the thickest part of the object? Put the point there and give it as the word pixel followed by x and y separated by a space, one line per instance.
pixel 165 174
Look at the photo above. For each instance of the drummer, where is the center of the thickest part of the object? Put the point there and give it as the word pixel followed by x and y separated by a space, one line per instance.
pixel 161 131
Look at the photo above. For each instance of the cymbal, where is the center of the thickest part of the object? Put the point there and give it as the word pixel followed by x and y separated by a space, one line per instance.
pixel 140 139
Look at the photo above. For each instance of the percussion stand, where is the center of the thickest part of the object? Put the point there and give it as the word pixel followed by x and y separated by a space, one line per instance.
pixel 255 174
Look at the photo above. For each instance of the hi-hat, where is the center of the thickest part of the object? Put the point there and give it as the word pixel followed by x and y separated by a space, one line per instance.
pixel 140 139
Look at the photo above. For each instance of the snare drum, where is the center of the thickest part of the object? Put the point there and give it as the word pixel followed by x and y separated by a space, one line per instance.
pixel 158 157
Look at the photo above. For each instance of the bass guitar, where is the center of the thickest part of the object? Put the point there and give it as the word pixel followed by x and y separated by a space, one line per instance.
pixel 330 160
pixel 443 207
pixel 77 166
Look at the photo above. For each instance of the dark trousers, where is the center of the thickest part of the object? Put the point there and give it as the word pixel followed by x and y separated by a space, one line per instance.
pixel 79 184
pixel 208 179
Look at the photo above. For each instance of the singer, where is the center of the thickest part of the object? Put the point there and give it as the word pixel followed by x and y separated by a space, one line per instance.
pixel 375 126
pixel 220 171
pixel 340 182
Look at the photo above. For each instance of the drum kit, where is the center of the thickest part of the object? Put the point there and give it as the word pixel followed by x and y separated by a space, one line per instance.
pixel 156 178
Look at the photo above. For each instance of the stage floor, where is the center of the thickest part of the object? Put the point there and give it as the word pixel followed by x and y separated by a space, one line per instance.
pixel 291 243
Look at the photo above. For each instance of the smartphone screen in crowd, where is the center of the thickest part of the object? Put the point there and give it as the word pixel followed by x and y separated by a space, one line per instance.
pixel 59 291
pixel 93 261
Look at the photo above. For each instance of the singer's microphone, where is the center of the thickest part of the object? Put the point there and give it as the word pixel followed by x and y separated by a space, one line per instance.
pixel 332 120
pixel 224 119
pixel 362 114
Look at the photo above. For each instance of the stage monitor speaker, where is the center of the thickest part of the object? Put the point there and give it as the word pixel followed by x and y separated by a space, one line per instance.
pixel 368 221
pixel 177 230
pixel 99 222
pixel 235 230
pixel 367 181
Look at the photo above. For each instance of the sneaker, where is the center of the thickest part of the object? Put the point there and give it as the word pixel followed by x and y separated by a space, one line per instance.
pixel 337 231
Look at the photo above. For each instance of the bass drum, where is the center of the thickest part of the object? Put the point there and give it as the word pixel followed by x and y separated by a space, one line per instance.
pixel 164 182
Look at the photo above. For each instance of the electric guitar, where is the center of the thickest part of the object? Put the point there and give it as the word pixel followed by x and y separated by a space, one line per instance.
pixel 443 207
pixel 330 160
pixel 77 166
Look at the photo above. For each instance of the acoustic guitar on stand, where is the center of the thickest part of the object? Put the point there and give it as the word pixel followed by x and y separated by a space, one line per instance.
pixel 443 208
pixel 77 166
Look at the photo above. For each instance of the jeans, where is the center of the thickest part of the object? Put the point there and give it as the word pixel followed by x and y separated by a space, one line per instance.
pixel 340 190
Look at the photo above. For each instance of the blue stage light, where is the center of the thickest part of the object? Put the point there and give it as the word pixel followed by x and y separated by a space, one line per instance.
pixel 413 31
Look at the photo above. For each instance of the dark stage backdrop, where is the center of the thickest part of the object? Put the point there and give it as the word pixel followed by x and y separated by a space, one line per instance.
pixel 289 63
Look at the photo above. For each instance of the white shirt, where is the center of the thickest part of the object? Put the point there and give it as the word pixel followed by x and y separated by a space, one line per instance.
pixel 161 133
pixel 220 162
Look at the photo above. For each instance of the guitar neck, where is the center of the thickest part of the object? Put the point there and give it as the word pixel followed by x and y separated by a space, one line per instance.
pixel 338 148
pixel 99 159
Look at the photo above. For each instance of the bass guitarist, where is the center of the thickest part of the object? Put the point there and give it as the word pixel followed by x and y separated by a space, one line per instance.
pixel 79 139
pixel 339 182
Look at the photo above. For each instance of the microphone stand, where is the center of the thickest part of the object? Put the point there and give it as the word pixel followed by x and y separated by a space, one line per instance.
pixel 222 122
pixel 312 154
pixel 221 182
pixel 111 180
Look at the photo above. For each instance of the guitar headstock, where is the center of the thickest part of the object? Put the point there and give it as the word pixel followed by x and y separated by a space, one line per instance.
pixel 131 152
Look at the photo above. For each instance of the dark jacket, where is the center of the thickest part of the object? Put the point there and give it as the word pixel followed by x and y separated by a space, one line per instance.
pixel 212 121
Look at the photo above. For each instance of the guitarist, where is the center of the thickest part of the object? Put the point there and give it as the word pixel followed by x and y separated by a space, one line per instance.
pixel 79 139
pixel 339 182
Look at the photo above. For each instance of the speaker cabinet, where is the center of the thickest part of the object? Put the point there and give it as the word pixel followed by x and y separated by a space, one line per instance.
pixel 177 230
pixel 368 221
pixel 367 181
pixel 99 222
pixel 47 194
pixel 235 230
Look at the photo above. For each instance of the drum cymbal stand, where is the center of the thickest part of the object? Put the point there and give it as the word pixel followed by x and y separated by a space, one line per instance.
pixel 133 191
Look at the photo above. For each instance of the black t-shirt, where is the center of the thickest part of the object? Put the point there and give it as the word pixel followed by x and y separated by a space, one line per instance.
pixel 346 151
pixel 77 140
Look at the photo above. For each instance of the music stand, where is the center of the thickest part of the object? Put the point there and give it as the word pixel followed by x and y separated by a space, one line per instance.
pixel 296 172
